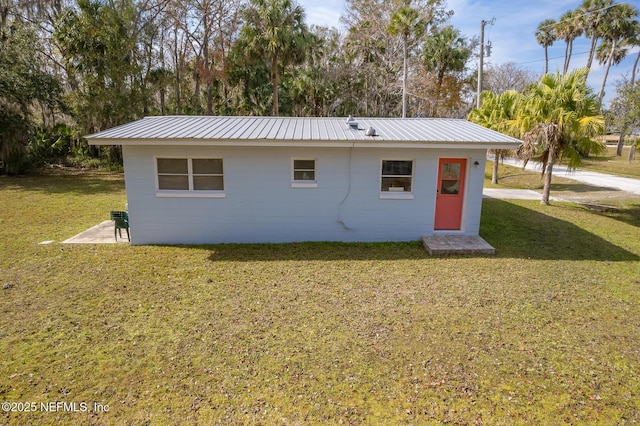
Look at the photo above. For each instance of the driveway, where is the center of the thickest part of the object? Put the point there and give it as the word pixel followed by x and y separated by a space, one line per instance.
pixel 589 187
pixel 602 180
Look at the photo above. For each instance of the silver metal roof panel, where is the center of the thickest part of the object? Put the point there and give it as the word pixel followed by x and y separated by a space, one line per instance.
pixel 210 129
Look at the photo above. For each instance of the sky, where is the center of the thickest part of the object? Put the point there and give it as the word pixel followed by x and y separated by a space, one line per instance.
pixel 512 35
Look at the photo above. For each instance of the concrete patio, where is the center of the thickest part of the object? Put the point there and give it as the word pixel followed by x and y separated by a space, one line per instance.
pixel 102 233
pixel 446 245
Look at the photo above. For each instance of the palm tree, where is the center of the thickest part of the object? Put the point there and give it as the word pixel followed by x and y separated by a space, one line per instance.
pixel 444 52
pixel 545 35
pixel 633 41
pixel 496 113
pixel 619 27
pixel 568 28
pixel 593 14
pixel 558 119
pixel 275 30
pixel 410 25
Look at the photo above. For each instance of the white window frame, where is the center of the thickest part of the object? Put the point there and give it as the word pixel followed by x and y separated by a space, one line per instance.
pixel 304 183
pixel 188 193
pixel 392 195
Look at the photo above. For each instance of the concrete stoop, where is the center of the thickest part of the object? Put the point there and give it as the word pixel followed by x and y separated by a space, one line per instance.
pixel 445 245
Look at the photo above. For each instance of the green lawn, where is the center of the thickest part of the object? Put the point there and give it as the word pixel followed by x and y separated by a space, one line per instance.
pixel 610 163
pixel 545 332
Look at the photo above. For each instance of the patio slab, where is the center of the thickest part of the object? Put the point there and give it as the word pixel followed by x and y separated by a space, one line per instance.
pixel 445 245
pixel 102 233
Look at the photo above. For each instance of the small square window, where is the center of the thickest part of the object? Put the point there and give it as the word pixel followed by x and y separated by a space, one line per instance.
pixel 173 174
pixel 207 174
pixel 396 176
pixel 304 170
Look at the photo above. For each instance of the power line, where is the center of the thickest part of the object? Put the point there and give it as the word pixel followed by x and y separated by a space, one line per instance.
pixel 556 57
pixel 583 14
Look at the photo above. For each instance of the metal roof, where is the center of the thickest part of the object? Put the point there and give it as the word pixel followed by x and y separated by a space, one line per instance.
pixel 299 130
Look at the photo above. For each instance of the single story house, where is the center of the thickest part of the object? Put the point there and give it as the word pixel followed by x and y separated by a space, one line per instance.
pixel 192 180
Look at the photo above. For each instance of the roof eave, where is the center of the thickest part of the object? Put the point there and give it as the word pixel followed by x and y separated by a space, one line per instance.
pixel 358 143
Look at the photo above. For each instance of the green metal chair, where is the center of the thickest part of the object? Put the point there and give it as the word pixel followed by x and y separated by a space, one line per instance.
pixel 121 220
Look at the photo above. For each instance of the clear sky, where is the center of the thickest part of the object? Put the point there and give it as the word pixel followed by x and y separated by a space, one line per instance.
pixel 512 35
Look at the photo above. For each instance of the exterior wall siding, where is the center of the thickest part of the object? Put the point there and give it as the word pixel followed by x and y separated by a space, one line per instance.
pixel 260 205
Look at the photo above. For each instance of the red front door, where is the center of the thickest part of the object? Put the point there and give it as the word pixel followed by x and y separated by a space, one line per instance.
pixel 451 173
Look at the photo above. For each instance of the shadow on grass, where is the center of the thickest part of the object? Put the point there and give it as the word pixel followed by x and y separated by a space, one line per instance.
pixel 629 215
pixel 331 251
pixel 80 183
pixel 515 232
pixel 579 187
pixel 519 232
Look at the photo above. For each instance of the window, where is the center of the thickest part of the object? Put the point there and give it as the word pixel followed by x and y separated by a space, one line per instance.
pixel 397 175
pixel 207 175
pixel 396 179
pixel 304 173
pixel 173 174
pixel 195 176
pixel 450 179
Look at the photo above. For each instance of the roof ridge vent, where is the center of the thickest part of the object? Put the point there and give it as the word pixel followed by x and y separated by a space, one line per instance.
pixel 352 122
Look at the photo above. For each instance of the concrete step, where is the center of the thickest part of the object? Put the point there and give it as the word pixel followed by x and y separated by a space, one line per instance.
pixel 445 245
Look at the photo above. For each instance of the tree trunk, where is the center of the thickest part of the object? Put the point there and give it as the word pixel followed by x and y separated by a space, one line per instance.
pixel 606 71
pixel 592 51
pixel 621 141
pixel 632 153
pixel 547 177
pixel 196 91
pixel 635 68
pixel 546 60
pixel 207 66
pixel 274 83
pixel 404 81
pixel 496 163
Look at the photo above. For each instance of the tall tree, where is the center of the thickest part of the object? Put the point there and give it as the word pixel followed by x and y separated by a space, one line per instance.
pixel 593 13
pixel 558 120
pixel 445 52
pixel 211 27
pixel 625 110
pixel 508 76
pixel 410 26
pixel 23 85
pixel 620 26
pixel 275 31
pixel 377 58
pixel 568 28
pixel 100 45
pixel 632 42
pixel 496 113
pixel 545 35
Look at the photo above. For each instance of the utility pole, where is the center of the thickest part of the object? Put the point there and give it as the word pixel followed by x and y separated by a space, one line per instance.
pixel 481 60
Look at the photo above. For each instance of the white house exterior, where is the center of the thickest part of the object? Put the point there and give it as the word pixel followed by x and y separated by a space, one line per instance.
pixel 194 180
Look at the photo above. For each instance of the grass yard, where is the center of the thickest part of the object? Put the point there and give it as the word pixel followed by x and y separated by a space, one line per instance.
pixel 566 189
pixel 546 332
pixel 610 163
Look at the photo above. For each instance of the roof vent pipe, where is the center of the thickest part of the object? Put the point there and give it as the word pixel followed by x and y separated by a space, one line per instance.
pixel 352 122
